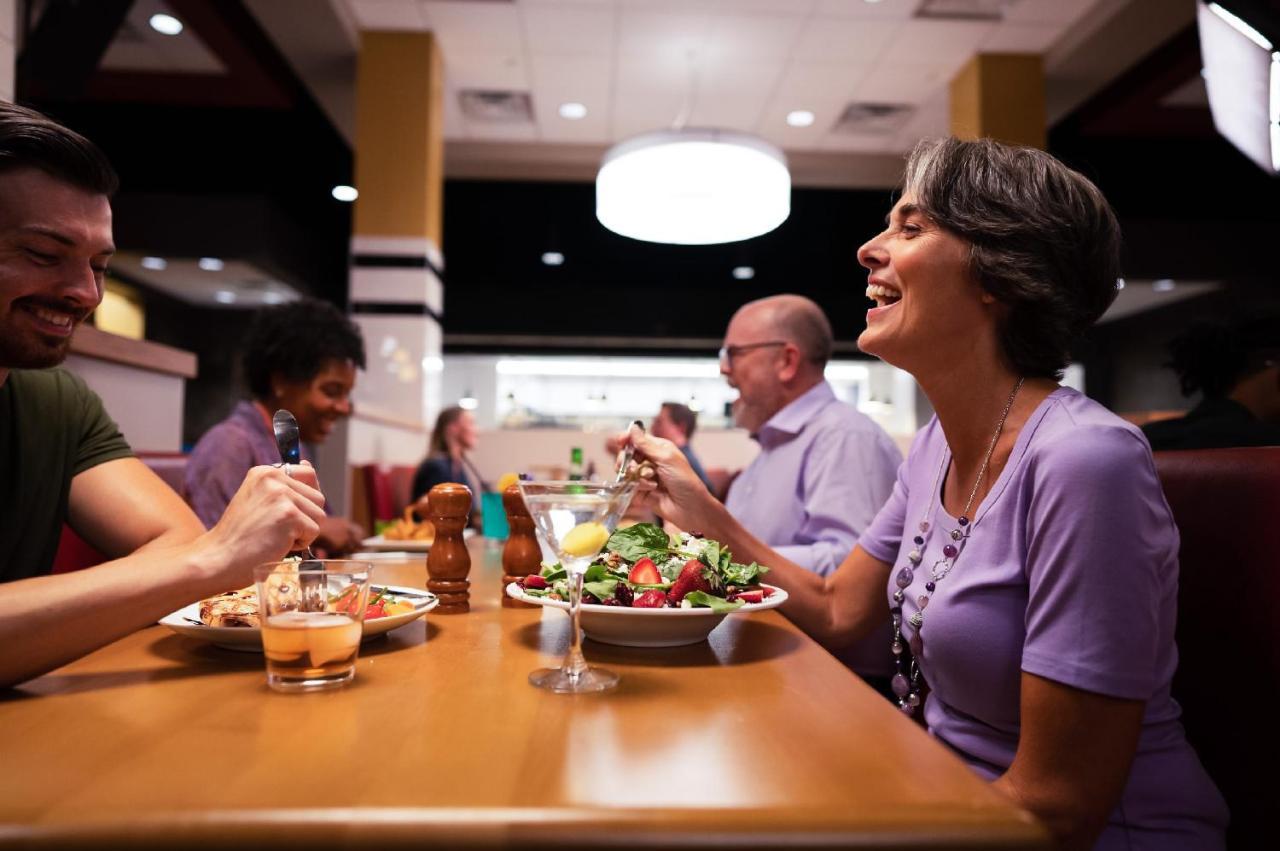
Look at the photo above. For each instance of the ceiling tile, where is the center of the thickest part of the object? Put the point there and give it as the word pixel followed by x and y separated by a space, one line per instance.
pixel 750 37
pixel 662 32
pixel 583 79
pixel 455 124
pixel 740 113
pixel 638 74
pixel 913 84
pixel 942 42
pixel 569 28
pixel 895 10
pixel 475 70
pixel 635 113
pixel 932 120
pixel 715 79
pixel 497 131
pixel 820 81
pixel 859 143
pixel 854 42
pixel 1021 38
pixel 1048 11
pixel 475 27
pixel 387 14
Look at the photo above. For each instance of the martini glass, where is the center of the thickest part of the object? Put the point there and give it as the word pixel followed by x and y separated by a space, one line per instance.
pixel 574 520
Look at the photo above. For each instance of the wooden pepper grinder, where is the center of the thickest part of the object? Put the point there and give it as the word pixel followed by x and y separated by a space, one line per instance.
pixel 448 562
pixel 521 555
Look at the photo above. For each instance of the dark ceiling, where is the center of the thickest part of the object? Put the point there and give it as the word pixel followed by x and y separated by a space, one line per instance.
pixel 241 164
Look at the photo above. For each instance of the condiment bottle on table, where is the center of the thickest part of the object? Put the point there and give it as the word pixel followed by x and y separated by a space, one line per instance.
pixel 521 555
pixel 448 563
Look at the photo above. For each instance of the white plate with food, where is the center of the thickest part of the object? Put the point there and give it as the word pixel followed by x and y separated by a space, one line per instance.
pixel 383 544
pixel 653 627
pixel 243 606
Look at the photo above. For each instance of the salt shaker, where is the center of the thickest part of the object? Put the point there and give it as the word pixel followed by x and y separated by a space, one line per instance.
pixel 521 555
pixel 448 562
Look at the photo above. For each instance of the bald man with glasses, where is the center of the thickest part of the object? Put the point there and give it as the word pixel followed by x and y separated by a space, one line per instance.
pixel 824 469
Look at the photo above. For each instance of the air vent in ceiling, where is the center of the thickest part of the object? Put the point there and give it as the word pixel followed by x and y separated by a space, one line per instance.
pixel 496 107
pixel 963 10
pixel 874 118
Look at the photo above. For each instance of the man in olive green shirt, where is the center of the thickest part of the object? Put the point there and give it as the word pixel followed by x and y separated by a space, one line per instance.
pixel 61 457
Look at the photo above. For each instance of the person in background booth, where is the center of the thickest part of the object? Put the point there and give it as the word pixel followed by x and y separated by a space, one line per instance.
pixel 454 435
pixel 62 458
pixel 302 357
pixel 1236 367
pixel 676 423
pixel 1027 557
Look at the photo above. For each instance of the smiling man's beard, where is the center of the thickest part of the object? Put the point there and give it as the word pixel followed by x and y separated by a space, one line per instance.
pixel 28 349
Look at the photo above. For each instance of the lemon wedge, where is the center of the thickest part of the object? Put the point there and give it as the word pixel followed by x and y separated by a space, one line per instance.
pixel 507 480
pixel 584 540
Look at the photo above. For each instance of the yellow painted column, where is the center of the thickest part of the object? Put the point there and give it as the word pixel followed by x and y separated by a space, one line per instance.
pixel 397 291
pixel 1000 96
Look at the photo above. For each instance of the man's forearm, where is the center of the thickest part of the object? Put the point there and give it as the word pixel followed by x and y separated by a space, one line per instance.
pixel 48 621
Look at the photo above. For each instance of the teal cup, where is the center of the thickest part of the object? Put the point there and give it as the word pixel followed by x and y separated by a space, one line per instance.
pixel 493 517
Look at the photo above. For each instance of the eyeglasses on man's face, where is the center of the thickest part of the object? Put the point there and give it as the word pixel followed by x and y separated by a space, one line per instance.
pixel 728 353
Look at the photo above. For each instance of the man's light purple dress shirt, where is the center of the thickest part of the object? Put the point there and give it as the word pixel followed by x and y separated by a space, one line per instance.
pixel 823 472
pixel 220 460
pixel 1070 573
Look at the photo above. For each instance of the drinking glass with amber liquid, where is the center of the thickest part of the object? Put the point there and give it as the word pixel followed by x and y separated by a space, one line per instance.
pixel 312 614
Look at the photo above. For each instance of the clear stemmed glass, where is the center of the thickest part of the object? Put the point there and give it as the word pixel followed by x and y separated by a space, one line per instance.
pixel 575 519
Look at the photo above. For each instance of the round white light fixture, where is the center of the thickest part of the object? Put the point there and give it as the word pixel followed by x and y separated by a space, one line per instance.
pixel 210 264
pixel 346 193
pixel 743 273
pixel 225 297
pixel 468 403
pixel 553 258
pixel 165 24
pixel 573 110
pixel 799 118
pixel 155 264
pixel 693 187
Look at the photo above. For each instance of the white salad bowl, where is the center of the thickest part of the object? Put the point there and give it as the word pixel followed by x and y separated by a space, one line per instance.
pixel 664 627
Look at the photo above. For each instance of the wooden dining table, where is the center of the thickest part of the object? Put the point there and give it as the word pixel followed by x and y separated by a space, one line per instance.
pixel 757 737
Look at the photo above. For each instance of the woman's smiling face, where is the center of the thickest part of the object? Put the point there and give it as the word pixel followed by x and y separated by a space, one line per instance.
pixel 927 301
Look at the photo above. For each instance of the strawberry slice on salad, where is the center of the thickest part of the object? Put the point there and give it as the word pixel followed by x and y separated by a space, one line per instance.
pixel 644 572
pixel 693 577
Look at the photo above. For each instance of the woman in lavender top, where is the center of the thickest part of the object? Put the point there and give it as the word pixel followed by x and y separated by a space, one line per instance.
pixel 301 356
pixel 1027 556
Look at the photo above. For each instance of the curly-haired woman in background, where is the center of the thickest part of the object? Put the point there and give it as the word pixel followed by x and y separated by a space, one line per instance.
pixel 301 356
pixel 1236 368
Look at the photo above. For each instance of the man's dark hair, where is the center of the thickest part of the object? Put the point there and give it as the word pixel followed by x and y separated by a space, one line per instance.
pixel 31 140
pixel 685 418
pixel 294 340
pixel 1043 240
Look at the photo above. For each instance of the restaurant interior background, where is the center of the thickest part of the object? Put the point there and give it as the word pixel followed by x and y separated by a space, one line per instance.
pixel 231 135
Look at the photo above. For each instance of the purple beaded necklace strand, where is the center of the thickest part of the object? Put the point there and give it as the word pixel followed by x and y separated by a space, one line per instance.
pixel 908 689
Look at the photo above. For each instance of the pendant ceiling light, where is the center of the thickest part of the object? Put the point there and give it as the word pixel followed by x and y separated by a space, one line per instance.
pixel 693 187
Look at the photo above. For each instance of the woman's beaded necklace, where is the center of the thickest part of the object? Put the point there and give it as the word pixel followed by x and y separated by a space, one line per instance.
pixel 907 688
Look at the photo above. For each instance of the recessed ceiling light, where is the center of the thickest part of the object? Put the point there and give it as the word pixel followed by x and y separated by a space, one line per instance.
pixel 210 264
pixel 744 273
pixel 1119 283
pixel 800 118
pixel 225 297
pixel 553 258
pixel 1163 285
pixel 158 264
pixel 165 24
pixel 342 192
pixel 573 110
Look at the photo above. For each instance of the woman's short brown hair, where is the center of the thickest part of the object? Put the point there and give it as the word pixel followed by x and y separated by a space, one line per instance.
pixel 1044 241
